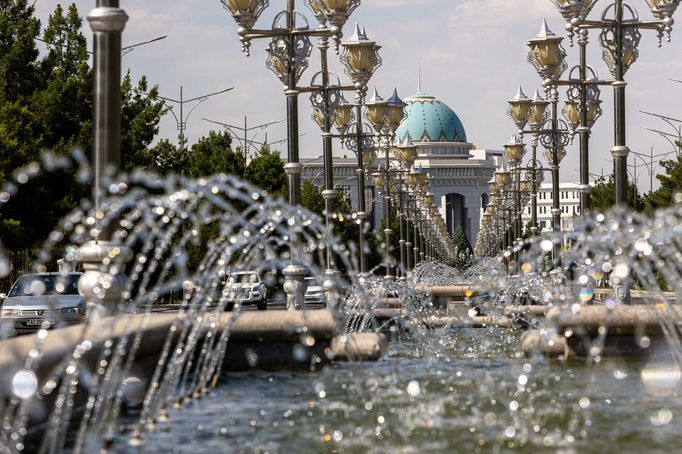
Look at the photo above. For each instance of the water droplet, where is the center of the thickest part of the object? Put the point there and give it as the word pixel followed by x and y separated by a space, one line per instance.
pixel 584 403
pixel 513 405
pixel 586 294
pixel 251 357
pixel 510 431
pixel 24 384
pixel 661 417
pixel 546 245
pixel 338 436
pixel 621 270
pixel 413 388
pixel 661 381
pixel 619 374
pixel 300 353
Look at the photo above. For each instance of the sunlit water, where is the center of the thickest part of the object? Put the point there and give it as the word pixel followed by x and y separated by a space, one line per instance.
pixel 484 397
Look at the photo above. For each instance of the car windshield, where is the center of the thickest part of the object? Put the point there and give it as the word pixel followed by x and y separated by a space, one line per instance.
pixel 48 284
pixel 312 282
pixel 247 278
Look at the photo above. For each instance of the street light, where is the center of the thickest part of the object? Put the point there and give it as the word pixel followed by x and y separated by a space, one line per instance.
pixel 288 54
pixel 245 130
pixel 181 119
pixel 385 117
pixel 361 59
pixel 620 36
pixel 405 153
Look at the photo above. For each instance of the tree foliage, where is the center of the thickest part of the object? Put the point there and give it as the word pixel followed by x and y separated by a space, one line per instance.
pixel 19 68
pixel 671 183
pixel 311 198
pixel 603 195
pixel 266 170
pixel 213 154
pixel 461 241
pixel 46 103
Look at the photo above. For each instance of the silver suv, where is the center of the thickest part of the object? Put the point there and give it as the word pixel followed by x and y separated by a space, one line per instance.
pixel 245 287
pixel 43 300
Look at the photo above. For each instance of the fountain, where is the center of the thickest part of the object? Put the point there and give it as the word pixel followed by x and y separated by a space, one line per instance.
pixel 159 363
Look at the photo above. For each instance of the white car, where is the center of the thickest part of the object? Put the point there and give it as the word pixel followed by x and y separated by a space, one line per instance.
pixel 314 294
pixel 43 299
pixel 245 288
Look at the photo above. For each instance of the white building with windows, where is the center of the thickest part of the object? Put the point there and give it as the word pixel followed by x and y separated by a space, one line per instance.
pixel 569 201
pixel 459 173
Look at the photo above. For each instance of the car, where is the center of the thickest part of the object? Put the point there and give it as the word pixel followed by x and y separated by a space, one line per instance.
pixel 245 288
pixel 43 300
pixel 314 294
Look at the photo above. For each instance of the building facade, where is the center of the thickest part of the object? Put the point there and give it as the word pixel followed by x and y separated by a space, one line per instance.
pixel 459 173
pixel 569 201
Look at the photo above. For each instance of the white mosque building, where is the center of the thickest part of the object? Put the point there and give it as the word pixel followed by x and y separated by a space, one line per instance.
pixel 459 173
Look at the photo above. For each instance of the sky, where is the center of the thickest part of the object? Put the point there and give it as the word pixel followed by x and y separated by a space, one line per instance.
pixel 473 57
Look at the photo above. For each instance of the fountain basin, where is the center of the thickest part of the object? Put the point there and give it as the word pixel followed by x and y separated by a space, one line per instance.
pixel 359 347
pixel 269 335
pixel 621 319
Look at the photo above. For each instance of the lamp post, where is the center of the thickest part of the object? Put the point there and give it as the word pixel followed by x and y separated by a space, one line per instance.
pixel 181 118
pixel 620 36
pixel 361 59
pixel 385 117
pixel 245 130
pixel 288 54
pixel 406 155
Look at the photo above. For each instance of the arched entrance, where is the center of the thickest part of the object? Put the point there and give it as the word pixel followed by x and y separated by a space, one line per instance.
pixel 456 214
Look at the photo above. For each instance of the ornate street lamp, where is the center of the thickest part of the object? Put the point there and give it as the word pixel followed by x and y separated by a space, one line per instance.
pixel 288 53
pixel 620 36
pixel 361 59
pixel 549 59
pixel 405 154
pixel 385 117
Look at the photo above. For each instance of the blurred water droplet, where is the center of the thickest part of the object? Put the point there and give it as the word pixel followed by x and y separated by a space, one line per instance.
pixel 24 384
pixel 413 388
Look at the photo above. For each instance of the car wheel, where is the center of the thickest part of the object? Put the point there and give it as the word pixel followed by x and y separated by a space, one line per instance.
pixel 262 305
pixel 229 307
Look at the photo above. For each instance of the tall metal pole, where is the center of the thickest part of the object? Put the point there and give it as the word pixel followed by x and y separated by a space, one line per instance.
pixel 329 194
pixel 408 230
pixel 388 232
pixel 182 121
pixel 402 221
pixel 534 228
pixel 620 149
pixel 293 167
pixel 107 22
pixel 362 214
pixel 556 208
pixel 584 130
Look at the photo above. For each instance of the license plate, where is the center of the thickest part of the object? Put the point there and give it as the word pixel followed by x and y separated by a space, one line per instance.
pixel 39 321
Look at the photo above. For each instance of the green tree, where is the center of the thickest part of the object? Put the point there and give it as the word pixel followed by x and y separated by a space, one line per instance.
pixel 671 182
pixel 213 154
pixel 603 195
pixel 141 112
pixel 64 107
pixel 19 79
pixel 311 198
pixel 266 170
pixel 168 158
pixel 19 67
pixel 461 241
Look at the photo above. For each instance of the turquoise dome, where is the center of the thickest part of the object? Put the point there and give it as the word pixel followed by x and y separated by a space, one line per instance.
pixel 429 120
